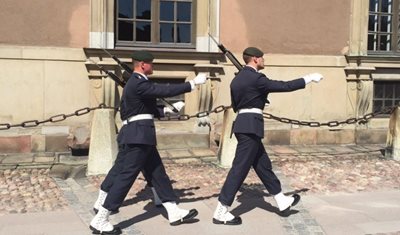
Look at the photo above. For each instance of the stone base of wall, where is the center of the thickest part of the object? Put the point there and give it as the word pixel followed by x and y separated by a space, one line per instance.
pixel 34 143
pixel 59 143
pixel 321 137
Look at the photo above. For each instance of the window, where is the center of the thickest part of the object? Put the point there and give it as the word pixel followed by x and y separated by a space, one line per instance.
pixel 160 23
pixel 383 26
pixel 386 94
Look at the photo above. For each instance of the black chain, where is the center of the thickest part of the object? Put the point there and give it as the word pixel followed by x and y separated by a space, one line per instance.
pixel 61 117
pixel 55 118
pixel 362 120
pixel 201 114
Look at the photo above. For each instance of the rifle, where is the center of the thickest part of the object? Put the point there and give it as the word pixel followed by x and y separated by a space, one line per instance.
pixel 231 57
pixel 122 82
pixel 228 54
pixel 114 77
pixel 120 63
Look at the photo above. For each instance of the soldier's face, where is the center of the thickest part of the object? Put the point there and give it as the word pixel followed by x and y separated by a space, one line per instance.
pixel 147 68
pixel 260 63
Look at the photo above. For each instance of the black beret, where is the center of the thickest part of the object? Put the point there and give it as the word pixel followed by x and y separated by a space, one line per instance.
pixel 253 51
pixel 142 56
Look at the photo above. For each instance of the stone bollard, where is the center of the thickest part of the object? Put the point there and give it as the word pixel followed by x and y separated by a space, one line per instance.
pixel 103 145
pixel 227 145
pixel 393 136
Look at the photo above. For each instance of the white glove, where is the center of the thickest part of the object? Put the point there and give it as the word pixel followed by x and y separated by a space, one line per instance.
pixel 178 105
pixel 198 80
pixel 312 77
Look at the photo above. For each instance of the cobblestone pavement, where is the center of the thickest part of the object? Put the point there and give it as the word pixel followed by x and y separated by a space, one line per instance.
pixel 308 169
pixel 29 190
pixel 313 170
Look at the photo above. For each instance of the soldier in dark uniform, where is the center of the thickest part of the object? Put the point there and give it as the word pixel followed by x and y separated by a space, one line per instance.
pixel 249 90
pixel 137 141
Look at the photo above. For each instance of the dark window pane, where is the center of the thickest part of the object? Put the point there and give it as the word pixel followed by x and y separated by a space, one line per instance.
pixel 389 91
pixel 143 31
pixel 397 91
pixel 373 5
pixel 377 105
pixel 388 103
pixel 183 33
pixel 371 42
pixel 372 23
pixel 143 9
pixel 125 9
pixel 125 30
pixel 384 42
pixel 166 32
pixel 167 11
pixel 385 24
pixel 184 11
pixel 385 6
pixel 378 88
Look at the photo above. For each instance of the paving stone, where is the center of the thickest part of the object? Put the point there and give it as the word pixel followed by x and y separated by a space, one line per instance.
pixel 44 159
pixel 2 157
pixel 203 152
pixel 179 153
pixel 60 171
pixel 72 160
pixel 282 149
pixel 20 158
pixel 187 160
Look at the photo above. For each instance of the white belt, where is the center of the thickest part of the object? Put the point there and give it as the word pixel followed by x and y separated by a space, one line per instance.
pixel 137 117
pixel 251 110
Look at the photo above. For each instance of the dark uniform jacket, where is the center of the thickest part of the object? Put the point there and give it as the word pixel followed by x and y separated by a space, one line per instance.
pixel 139 97
pixel 249 89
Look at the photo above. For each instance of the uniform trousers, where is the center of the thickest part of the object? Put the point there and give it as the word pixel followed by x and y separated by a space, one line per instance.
pixel 113 172
pixel 250 152
pixel 131 159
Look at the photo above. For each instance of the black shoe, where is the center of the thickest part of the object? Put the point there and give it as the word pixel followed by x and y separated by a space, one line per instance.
pixel 296 200
pixel 187 218
pixel 234 221
pixel 115 231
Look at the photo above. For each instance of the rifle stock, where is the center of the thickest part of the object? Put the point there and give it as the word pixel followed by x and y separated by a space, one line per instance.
pixel 232 58
pixel 114 77
pixel 228 54
pixel 126 74
pixel 120 63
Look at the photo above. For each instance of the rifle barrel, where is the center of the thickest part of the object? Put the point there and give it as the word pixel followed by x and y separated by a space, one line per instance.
pixel 228 54
pixel 130 71
pixel 114 77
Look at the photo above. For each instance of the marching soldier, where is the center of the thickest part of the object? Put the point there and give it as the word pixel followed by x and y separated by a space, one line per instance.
pixel 249 90
pixel 137 141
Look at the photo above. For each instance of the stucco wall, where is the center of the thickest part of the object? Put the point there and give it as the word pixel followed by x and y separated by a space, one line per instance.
pixel 286 26
pixel 38 83
pixel 45 22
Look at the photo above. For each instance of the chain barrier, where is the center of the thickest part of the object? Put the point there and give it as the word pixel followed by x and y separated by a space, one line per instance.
pixel 362 120
pixel 53 119
pixel 61 117
pixel 201 114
